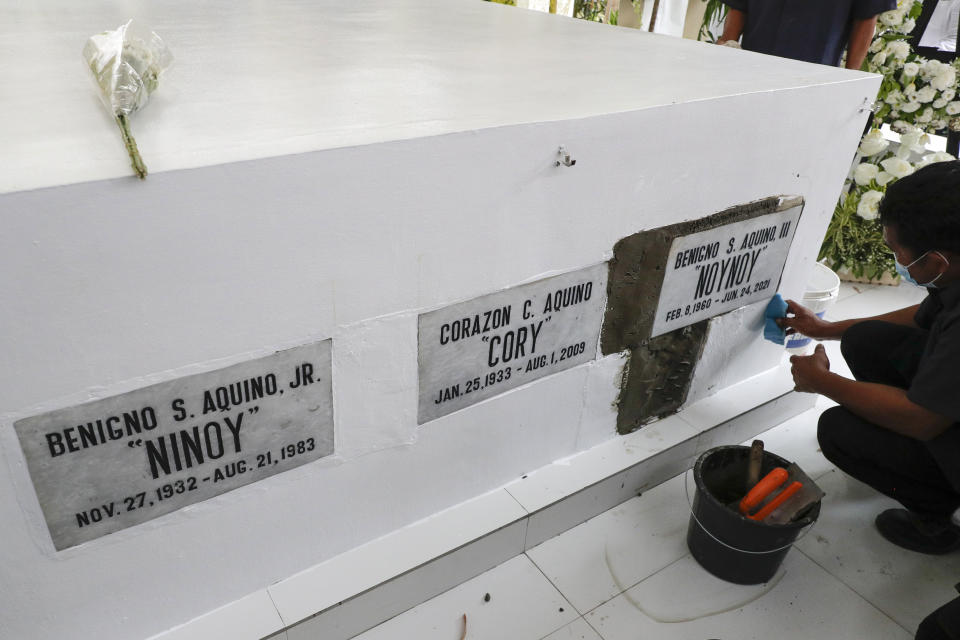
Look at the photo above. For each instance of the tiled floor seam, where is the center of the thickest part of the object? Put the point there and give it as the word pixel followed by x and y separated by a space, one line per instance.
pixel 283 624
pixel 526 519
pixel 544 637
pixel 583 614
pixel 638 582
pixel 525 510
pixel 859 595
pixel 547 578
pixel 554 585
pixel 679 414
pixel 595 630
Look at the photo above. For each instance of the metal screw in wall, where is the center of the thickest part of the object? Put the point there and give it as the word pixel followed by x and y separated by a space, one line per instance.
pixel 565 158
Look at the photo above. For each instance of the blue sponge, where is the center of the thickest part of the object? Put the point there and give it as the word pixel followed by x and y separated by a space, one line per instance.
pixel 777 308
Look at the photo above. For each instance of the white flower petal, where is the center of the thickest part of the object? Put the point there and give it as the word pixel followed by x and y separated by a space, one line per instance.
pixel 873 143
pixel 910 107
pixel 927 94
pixel 897 167
pixel 868 208
pixel 865 173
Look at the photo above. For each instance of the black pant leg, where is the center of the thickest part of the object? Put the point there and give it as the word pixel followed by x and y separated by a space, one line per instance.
pixel 883 352
pixel 942 624
pixel 895 465
pixel 930 629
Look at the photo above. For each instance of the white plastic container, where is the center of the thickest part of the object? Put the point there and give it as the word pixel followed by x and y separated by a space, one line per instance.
pixel 822 291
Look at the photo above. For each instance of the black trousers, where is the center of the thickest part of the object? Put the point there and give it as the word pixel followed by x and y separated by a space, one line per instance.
pixel 895 465
pixel 942 624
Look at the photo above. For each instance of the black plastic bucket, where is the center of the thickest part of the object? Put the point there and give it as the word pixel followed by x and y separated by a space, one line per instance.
pixel 728 545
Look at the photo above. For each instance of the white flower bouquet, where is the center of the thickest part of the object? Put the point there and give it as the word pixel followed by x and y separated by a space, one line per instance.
pixel 917 96
pixel 127 64
pixel 916 92
pixel 854 241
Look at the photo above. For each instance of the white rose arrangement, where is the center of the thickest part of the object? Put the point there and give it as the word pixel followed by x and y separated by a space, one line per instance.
pixel 917 97
pixel 854 240
pixel 915 91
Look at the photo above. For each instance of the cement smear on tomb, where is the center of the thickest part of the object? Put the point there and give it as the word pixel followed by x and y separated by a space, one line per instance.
pixel 658 376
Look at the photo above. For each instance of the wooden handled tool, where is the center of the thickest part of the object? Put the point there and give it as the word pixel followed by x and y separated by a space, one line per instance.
pixel 756 461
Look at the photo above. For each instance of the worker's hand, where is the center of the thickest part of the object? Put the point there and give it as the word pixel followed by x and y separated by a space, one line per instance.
pixel 809 370
pixel 804 321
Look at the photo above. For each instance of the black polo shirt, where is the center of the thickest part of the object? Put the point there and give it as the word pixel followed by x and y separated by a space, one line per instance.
pixel 935 386
pixel 810 30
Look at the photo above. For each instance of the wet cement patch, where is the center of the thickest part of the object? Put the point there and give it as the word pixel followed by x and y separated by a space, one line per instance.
pixel 658 376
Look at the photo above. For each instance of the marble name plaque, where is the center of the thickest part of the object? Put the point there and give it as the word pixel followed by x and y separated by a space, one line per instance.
pixel 721 269
pixel 477 349
pixel 109 464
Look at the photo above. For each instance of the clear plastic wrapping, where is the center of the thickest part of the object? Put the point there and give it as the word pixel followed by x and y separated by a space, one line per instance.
pixel 127 64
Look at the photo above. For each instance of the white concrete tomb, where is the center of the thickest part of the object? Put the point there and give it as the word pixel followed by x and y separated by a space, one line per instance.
pixel 333 170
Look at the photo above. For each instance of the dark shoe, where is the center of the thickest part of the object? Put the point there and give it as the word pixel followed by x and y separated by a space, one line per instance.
pixel 916 533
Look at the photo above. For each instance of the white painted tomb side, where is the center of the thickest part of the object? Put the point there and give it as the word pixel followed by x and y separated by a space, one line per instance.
pixel 332 170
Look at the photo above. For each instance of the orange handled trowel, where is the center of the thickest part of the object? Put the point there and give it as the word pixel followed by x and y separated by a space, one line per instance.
pixel 799 492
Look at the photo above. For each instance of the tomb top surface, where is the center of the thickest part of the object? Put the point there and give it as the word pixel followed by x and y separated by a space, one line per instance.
pixel 254 79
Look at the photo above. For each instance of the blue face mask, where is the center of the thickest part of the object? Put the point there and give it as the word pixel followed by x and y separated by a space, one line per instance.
pixel 904 271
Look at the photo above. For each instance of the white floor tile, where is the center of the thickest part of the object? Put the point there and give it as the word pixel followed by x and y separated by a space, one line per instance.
pixel 523 605
pixel 600 558
pixel 576 630
pixel 876 301
pixel 905 585
pixel 848 289
pixel 683 602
